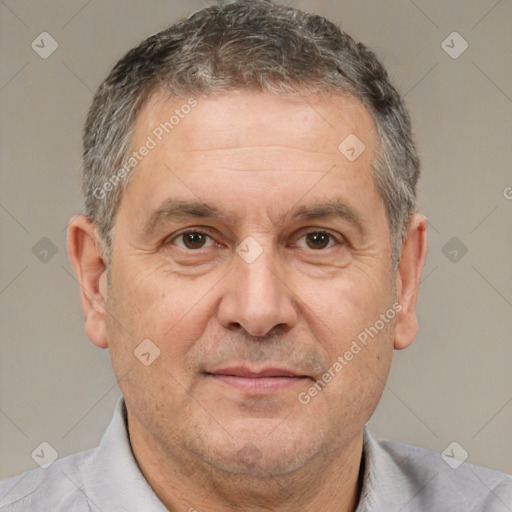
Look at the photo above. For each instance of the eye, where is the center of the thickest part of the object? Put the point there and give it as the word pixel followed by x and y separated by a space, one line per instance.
pixel 195 240
pixel 191 240
pixel 318 240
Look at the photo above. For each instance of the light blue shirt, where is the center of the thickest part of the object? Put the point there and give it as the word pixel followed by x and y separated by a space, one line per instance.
pixel 397 478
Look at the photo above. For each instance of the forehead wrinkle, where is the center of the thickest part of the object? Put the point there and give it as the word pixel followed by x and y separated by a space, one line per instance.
pixel 261 147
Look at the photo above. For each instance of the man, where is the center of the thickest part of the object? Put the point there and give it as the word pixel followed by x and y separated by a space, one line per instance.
pixel 251 256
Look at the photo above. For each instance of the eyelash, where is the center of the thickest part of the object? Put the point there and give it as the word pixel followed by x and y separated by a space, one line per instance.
pixel 197 232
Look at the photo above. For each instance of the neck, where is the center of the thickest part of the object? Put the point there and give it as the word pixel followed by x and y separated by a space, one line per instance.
pixel 331 481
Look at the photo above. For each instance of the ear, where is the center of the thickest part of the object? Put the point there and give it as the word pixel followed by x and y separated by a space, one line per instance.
pixel 412 260
pixel 84 248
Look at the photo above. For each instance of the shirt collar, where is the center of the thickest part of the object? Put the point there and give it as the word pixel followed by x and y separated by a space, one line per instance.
pixel 391 481
pixel 115 481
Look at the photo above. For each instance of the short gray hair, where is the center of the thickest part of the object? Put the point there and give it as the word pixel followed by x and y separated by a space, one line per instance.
pixel 247 45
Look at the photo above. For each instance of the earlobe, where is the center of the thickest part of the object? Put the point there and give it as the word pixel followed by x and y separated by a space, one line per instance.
pixel 84 248
pixel 412 261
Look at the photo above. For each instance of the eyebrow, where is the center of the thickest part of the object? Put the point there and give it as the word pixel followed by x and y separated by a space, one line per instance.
pixel 178 209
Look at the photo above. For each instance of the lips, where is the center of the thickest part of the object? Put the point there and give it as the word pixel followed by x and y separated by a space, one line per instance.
pixel 259 382
pixel 242 371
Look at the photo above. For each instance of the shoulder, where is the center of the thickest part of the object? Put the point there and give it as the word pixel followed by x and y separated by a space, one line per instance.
pixel 437 482
pixel 56 488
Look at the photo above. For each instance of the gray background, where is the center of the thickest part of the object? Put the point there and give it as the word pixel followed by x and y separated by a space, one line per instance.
pixel 453 384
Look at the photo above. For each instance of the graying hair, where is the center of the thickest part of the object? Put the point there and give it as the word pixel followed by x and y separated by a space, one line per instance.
pixel 247 45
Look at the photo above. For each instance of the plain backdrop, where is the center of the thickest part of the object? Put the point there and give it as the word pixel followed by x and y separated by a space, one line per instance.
pixel 453 384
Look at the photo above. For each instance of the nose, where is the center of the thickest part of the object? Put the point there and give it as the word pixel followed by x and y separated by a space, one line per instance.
pixel 257 297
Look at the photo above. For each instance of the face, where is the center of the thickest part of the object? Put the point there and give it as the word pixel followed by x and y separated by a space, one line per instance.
pixel 255 255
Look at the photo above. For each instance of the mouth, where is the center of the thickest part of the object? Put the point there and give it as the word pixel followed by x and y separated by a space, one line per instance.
pixel 264 381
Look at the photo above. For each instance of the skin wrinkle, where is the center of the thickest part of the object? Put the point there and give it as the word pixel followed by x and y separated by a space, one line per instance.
pixel 299 309
pixel 176 209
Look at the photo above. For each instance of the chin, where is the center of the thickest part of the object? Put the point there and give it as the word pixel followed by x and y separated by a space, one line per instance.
pixel 255 452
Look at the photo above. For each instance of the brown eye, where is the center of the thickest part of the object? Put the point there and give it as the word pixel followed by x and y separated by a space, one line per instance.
pixel 318 239
pixel 192 240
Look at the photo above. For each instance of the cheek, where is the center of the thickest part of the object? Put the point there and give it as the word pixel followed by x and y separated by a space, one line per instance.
pixel 144 319
pixel 360 370
pixel 170 311
pixel 346 307
pixel 348 322
pixel 147 300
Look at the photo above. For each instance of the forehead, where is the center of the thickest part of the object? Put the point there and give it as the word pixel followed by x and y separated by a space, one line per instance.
pixel 315 123
pixel 266 146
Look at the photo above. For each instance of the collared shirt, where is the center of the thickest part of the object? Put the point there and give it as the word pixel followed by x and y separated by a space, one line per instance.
pixel 397 478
